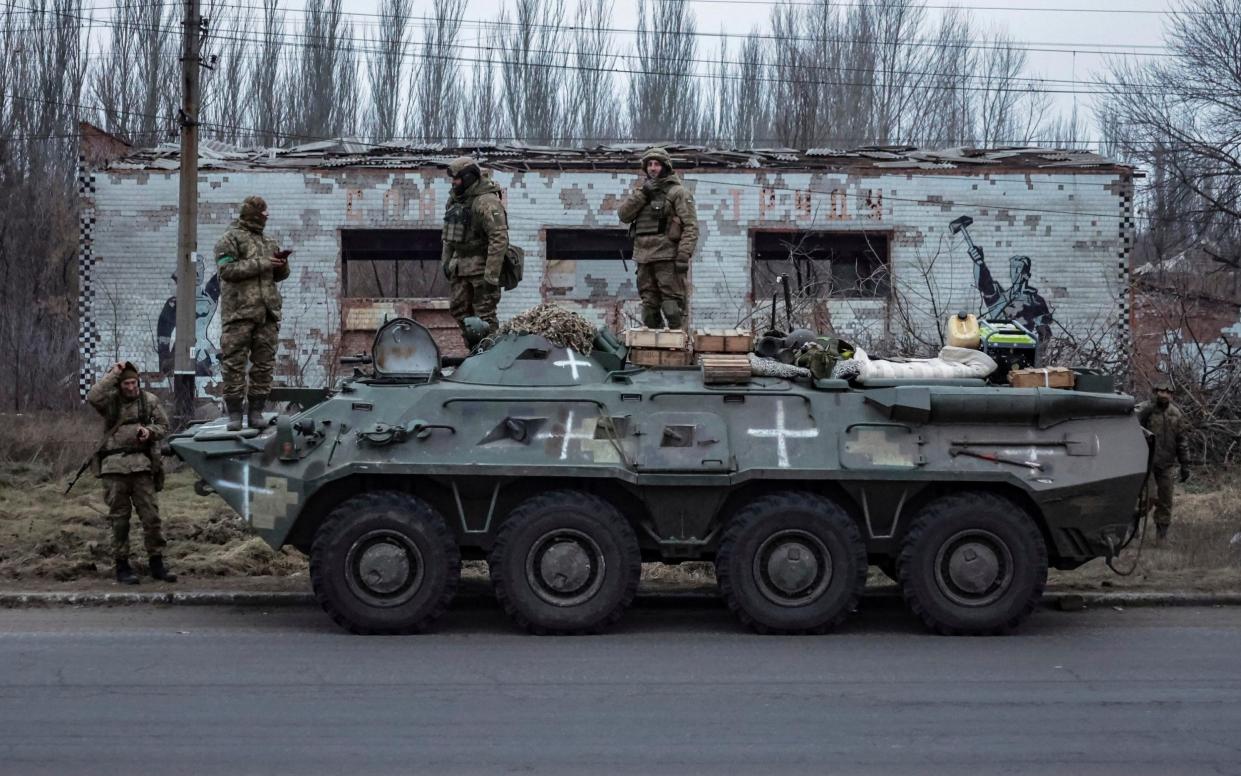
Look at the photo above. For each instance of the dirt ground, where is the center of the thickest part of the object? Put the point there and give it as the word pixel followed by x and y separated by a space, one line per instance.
pixel 52 542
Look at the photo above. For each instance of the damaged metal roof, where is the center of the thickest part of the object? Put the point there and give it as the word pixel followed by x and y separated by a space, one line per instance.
pixel 394 155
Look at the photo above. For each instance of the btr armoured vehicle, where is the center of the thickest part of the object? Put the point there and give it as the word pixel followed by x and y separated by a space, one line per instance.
pixel 566 470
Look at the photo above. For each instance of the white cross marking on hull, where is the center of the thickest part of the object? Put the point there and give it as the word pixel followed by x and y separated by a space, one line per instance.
pixel 782 435
pixel 571 362
pixel 568 435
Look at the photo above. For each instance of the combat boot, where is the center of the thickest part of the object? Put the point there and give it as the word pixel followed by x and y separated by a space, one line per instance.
pixel 234 414
pixel 124 574
pixel 159 571
pixel 254 415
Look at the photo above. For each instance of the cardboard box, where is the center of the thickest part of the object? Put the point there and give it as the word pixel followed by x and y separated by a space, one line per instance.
pixel 723 341
pixel 668 339
pixel 1046 377
pixel 659 357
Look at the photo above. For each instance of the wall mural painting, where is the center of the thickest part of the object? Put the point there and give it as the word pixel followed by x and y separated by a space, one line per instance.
pixel 1020 301
pixel 206 300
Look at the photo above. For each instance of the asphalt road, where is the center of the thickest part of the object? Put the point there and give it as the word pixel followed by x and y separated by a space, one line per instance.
pixel 678 689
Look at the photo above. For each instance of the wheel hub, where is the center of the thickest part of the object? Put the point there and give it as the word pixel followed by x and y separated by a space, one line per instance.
pixel 565 566
pixel 974 568
pixel 383 568
pixel 792 568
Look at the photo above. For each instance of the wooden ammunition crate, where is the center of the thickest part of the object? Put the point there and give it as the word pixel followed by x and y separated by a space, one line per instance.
pixel 1046 377
pixel 659 357
pixel 665 339
pixel 721 368
pixel 723 341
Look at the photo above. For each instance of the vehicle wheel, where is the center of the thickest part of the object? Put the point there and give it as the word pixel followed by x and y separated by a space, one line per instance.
pixel 973 564
pixel 384 562
pixel 565 562
pixel 791 563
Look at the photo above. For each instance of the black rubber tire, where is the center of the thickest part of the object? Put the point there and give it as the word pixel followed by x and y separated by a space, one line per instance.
pixel 399 514
pixel 936 525
pixel 576 511
pixel 764 518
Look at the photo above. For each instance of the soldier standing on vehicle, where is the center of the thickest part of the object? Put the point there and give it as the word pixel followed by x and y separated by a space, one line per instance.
pixel 664 226
pixel 475 242
pixel 128 463
pixel 1167 423
pixel 250 265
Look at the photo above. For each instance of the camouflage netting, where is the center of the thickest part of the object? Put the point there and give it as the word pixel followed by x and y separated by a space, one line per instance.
pixel 563 328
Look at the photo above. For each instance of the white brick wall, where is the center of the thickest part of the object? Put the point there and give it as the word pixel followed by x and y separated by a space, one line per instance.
pixel 1068 223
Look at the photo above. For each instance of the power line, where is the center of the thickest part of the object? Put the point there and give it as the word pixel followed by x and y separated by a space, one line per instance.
pixel 973 44
pixel 1002 82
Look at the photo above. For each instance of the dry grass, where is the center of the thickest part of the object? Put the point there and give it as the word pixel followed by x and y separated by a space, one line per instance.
pixel 44 535
pixel 44 445
pixel 50 537
pixel 1203 550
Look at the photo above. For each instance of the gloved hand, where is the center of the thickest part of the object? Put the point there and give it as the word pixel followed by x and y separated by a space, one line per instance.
pixel 648 187
pixel 975 253
pixel 1185 472
pixel 450 269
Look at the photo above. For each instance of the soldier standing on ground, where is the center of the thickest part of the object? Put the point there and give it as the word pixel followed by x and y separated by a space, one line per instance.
pixel 664 226
pixel 475 241
pixel 250 265
pixel 1167 423
pixel 129 467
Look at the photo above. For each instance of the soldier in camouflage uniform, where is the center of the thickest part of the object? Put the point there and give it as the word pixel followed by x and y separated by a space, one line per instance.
pixel 475 241
pixel 129 466
pixel 664 226
pixel 250 265
pixel 1167 423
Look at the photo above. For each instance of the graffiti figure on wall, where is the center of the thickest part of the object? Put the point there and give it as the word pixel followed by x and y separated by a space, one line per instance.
pixel 206 300
pixel 1019 302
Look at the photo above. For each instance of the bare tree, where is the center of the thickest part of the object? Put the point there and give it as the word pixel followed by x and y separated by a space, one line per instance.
pixel 664 95
pixel 264 107
pixel 593 112
pixel 482 114
pixel 42 75
pixel 385 64
pixel 137 84
pixel 533 69
pixel 743 105
pixel 226 80
pixel 435 112
pixel 1181 117
pixel 323 82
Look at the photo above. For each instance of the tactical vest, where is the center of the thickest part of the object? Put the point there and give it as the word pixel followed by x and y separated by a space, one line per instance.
pixel 653 218
pixel 458 220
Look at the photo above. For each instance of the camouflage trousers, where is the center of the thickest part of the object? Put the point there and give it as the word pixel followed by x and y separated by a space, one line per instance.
pixel 242 341
pixel 122 492
pixel 1162 484
pixel 661 285
pixel 472 297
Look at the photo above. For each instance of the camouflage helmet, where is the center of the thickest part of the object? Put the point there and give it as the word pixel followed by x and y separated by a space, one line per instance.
pixel 475 330
pixel 659 155
pixel 1162 383
pixel 253 208
pixel 459 165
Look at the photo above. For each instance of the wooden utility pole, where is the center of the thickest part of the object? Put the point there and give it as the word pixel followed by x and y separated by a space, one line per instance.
pixel 184 367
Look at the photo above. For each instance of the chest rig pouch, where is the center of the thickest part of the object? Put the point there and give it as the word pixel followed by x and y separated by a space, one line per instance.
pixel 457 222
pixel 653 218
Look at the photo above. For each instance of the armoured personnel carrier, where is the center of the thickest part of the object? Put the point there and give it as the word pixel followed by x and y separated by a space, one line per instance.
pixel 566 470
